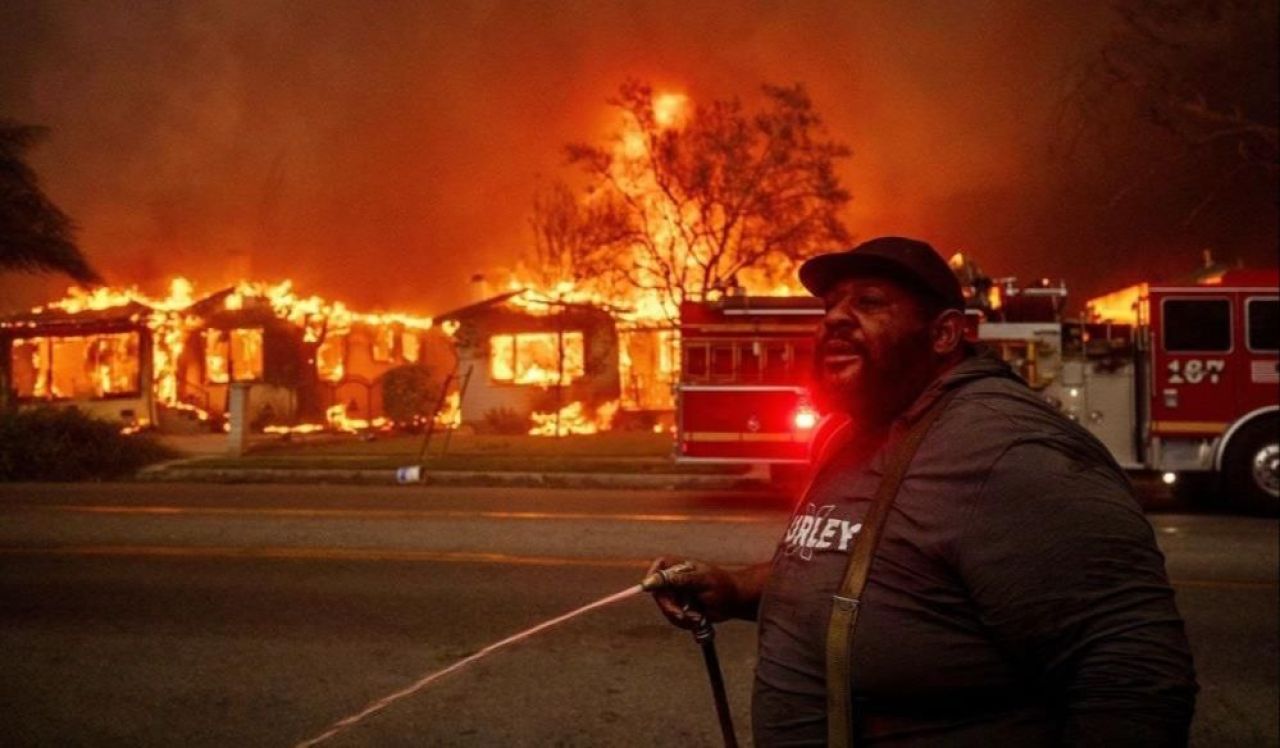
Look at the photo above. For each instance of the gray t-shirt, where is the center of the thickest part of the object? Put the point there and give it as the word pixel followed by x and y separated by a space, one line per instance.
pixel 1017 596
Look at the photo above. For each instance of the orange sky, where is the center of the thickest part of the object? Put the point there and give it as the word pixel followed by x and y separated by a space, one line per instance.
pixel 384 152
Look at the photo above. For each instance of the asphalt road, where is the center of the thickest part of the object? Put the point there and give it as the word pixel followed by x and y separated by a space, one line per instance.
pixel 154 614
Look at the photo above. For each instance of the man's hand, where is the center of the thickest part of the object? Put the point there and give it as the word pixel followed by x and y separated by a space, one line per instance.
pixel 693 590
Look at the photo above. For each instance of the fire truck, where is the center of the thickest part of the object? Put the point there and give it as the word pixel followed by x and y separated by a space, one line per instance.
pixel 742 394
pixel 1183 380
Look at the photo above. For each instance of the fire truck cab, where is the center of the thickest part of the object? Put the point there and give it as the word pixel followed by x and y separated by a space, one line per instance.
pixel 1179 379
pixel 1206 380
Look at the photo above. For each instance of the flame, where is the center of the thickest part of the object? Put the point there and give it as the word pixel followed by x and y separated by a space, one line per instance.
pixel 238 355
pixel 338 420
pixel 314 314
pixel 134 427
pixel 670 109
pixel 1124 306
pixel 644 303
pixel 649 345
pixel 546 359
pixel 573 419
pixel 450 415
pixel 168 326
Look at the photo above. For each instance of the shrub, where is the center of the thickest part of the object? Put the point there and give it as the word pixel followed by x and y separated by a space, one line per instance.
pixel 64 444
pixel 504 421
pixel 409 394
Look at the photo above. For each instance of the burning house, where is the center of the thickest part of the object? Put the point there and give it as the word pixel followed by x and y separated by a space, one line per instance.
pixel 171 362
pixel 99 358
pixel 305 361
pixel 551 363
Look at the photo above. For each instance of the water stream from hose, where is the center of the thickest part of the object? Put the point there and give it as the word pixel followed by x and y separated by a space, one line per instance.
pixel 427 680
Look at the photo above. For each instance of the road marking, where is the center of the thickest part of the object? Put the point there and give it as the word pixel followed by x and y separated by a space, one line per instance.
pixel 323 554
pixel 175 511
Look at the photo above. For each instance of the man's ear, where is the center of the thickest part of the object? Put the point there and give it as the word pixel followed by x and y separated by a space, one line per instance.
pixel 947 333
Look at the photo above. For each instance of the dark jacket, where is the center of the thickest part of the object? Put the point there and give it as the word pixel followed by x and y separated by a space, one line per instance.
pixel 1017 596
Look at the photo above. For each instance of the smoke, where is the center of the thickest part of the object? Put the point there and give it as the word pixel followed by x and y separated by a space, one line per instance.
pixel 383 153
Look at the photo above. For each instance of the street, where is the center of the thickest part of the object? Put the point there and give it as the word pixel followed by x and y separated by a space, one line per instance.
pixel 200 614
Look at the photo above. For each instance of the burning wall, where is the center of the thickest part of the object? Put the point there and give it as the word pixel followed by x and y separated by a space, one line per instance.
pixel 170 361
pixel 527 357
pixel 95 357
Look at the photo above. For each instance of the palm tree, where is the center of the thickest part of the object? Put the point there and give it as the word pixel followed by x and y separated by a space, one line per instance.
pixel 35 236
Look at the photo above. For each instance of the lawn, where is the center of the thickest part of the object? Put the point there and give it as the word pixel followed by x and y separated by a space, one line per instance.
pixel 627 444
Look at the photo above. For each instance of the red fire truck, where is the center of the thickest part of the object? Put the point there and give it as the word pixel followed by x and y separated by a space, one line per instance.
pixel 1178 379
pixel 745 364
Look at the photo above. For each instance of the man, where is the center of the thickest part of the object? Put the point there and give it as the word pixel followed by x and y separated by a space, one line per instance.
pixel 1016 596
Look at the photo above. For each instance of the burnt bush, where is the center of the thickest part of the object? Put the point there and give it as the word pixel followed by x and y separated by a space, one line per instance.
pixel 409 395
pixel 64 444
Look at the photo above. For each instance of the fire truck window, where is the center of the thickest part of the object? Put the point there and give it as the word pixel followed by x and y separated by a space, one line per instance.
pixel 722 361
pixel 777 362
pixel 1199 325
pixel 1264 324
pixel 695 361
pixel 749 362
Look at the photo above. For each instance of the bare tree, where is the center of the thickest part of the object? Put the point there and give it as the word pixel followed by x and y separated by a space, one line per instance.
pixel 1204 72
pixel 576 240
pixel 35 236
pixel 713 193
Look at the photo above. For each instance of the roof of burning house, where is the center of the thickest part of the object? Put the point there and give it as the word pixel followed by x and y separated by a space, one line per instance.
pixel 57 321
pixel 499 305
pixel 478 308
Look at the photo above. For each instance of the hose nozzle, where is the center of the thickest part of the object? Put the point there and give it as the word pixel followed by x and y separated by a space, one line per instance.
pixel 664 577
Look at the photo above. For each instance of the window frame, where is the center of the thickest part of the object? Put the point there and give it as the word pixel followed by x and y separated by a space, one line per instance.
pixel 1164 327
pixel 568 376
pixel 232 378
pixel 1248 323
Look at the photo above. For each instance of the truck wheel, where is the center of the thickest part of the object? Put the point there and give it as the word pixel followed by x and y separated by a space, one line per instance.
pixel 1251 468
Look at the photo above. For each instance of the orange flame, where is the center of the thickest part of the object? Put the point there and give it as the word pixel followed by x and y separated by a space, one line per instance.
pixel 171 323
pixel 574 419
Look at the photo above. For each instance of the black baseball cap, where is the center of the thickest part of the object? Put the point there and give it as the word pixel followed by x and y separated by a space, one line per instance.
pixel 908 260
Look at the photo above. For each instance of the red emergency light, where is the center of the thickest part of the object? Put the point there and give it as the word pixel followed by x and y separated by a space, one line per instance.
pixel 805 418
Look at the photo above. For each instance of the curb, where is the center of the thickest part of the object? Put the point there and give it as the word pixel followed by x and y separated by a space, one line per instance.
pixel 172 472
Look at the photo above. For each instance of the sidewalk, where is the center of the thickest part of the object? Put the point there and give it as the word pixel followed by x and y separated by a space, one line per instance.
pixel 596 462
pixel 194 471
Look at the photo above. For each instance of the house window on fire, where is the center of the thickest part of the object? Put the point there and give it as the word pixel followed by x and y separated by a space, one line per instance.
pixel 232 355
pixel 76 367
pixel 331 358
pixel 541 358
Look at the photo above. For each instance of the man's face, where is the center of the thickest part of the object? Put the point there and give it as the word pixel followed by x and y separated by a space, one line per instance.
pixel 874 353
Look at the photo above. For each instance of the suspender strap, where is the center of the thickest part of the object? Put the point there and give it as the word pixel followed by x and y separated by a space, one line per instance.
pixel 847 601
